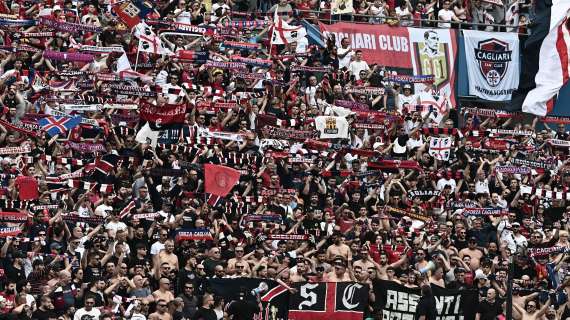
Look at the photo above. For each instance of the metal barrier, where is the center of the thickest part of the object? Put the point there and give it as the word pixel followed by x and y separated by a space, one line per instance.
pixel 317 16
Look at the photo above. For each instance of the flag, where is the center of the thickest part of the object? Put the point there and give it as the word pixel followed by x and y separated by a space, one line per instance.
pixel 147 135
pixel 58 125
pixel 328 300
pixel 440 148
pixel 284 33
pixel 149 41
pixel 545 60
pixel 104 165
pixel 219 179
pixel 132 12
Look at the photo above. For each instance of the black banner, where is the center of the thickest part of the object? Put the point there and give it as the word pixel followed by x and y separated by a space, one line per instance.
pixel 399 302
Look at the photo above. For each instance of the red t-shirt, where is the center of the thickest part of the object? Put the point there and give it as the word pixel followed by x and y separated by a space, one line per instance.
pixel 27 188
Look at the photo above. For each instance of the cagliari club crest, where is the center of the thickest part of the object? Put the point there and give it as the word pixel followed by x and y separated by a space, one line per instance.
pixel 493 57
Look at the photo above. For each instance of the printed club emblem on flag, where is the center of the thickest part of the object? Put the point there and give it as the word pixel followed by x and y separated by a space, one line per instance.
pixel 440 148
pixel 58 125
pixel 493 56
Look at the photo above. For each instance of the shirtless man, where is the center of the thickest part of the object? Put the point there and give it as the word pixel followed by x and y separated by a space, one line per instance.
pixel 530 310
pixel 339 273
pixel 163 292
pixel 239 251
pixel 161 311
pixel 339 248
pixel 167 255
pixel 299 274
pixel 475 253
pixel 366 262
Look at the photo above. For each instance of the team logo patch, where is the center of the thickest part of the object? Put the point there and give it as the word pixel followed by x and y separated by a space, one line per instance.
pixel 493 56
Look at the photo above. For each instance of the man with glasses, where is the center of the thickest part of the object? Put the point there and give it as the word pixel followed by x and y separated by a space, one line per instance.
pixel 89 311
pixel 239 259
pixel 190 299
pixel 163 293
pixel 474 252
pixel 161 311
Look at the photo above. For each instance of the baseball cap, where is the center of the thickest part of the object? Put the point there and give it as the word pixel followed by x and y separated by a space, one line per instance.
pixel 407 86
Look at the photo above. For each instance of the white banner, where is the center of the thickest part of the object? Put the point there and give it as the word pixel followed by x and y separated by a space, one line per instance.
pixel 492 64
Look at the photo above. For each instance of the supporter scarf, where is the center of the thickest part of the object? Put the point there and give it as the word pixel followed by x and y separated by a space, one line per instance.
pixel 281 133
pixel 438 131
pixel 226 65
pixel 423 108
pixel 492 113
pixel 165 114
pixel 15 150
pixel 244 24
pixel 460 204
pixel 82 107
pixel 262 217
pixel 166 172
pixel 13 204
pixel 300 160
pixel 559 143
pixel 9 232
pixel 540 252
pixel 477 212
pixel 394 164
pixel 288 237
pixel 272 192
pixel 241 45
pixel 194 234
pixel 506 132
pixel 65 160
pixel 103 187
pixel 73 217
pixel 84 147
pixel 249 76
pixel 66 176
pixel 543 193
pixel 497 144
pixel 300 68
pixel 228 136
pixel 555 119
pixel 144 65
pixel 533 164
pixel 16 217
pixel 18 127
pixel 121 106
pixel 131 90
pixel 127 209
pixel 373 126
pixel 184 28
pixel 513 169
pixel 16 23
pixel 352 105
pixel 225 105
pixel 91 122
pixel 264 63
pixel 20 48
pixel 101 50
pixel 366 90
pixel 68 56
pixel 423 193
pixel 34 34
pixel 401 78
pixel 409 214
pixel 147 216
pixel 68 26
pixel 72 73
pixel 495 2
pixel 45 206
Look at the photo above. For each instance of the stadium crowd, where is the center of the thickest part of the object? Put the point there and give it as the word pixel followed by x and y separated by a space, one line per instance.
pixel 377 205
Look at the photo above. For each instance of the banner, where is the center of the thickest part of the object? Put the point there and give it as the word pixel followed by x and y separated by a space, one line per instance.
pixel 328 300
pixel 332 127
pixel 159 116
pixel 408 51
pixel 493 64
pixel 400 302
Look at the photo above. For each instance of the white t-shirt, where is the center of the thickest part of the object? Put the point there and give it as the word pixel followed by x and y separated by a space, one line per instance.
pixel 445 15
pixel 402 99
pixel 115 226
pixel 441 183
pixel 93 314
pixel 344 62
pixel 156 247
pixel 356 66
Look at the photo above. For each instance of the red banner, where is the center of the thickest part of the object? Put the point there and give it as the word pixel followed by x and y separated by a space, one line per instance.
pixel 381 44
pixel 166 114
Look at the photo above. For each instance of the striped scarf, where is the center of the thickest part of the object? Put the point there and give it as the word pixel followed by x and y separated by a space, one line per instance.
pixel 512 169
pixel 68 56
pixel 366 90
pixel 15 150
pixel 68 26
pixel 543 193
pixel 241 45
pixel 300 68
pixel 401 78
pixel 264 63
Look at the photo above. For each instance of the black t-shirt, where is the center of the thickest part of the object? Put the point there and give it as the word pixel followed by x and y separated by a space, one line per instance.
pixel 488 311
pixel 44 315
pixel 426 307
pixel 205 314
pixel 243 310
pixel 15 274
